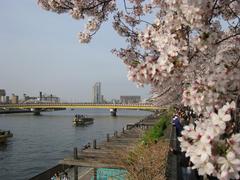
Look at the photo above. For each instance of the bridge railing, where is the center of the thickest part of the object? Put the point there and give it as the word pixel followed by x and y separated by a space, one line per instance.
pixel 75 104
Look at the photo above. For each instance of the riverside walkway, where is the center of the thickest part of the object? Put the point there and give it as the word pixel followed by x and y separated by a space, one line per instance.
pixel 108 153
pixel 104 154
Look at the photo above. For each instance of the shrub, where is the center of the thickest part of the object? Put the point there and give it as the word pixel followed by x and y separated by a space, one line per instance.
pixel 157 131
pixel 146 162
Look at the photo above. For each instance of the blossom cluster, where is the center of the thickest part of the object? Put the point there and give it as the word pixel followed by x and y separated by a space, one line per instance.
pixel 95 10
pixel 209 151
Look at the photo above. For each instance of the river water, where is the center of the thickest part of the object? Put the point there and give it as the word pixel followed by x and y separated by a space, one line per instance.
pixel 39 142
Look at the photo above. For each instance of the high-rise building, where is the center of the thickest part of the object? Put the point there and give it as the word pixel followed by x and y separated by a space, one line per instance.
pixel 2 95
pixel 97 97
pixel 7 100
pixel 40 96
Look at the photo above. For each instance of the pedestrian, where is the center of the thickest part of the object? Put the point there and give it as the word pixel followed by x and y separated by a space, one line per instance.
pixel 185 166
pixel 65 176
pixel 89 145
pixel 57 176
pixel 53 177
pixel 177 123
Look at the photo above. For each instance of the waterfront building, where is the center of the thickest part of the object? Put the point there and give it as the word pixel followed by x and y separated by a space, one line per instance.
pixel 130 99
pixel 49 98
pixel 44 98
pixel 102 99
pixel 2 95
pixel 29 98
pixel 7 100
pixel 97 97
pixel 40 95
pixel 14 99
pixel 115 101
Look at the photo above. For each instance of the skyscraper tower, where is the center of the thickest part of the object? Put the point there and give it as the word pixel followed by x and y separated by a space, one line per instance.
pixel 97 97
pixel 2 95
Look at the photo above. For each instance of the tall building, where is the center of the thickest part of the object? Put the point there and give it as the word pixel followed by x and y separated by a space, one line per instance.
pixel 40 96
pixel 97 97
pixel 2 95
pixel 7 100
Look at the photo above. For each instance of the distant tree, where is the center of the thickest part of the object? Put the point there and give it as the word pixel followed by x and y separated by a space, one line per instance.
pixel 189 52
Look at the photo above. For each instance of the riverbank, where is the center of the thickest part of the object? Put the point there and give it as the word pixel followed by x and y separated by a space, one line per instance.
pixel 14 111
pixel 93 157
pixel 149 158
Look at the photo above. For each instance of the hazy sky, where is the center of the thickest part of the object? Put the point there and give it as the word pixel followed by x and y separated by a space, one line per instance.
pixel 39 51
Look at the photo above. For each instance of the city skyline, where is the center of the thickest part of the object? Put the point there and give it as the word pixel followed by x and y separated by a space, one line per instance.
pixel 40 52
pixel 96 91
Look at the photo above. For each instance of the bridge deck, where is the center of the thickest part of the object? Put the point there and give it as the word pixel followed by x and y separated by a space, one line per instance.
pixel 78 105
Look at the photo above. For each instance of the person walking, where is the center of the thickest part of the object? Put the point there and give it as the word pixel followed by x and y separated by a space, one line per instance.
pixel 57 176
pixel 177 123
pixel 65 176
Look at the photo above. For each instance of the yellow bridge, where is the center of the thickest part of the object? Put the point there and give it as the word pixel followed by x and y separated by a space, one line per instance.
pixel 78 105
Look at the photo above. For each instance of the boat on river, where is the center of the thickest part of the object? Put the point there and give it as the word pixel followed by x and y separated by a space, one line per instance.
pixel 81 120
pixel 4 135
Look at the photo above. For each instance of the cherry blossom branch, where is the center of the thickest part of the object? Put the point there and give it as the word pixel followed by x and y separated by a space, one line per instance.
pixel 212 12
pixel 226 38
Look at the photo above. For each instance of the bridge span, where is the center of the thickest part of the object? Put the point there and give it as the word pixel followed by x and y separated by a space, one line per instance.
pixel 78 105
pixel 38 107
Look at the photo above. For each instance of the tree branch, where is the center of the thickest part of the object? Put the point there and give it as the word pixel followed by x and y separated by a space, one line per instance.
pixel 224 39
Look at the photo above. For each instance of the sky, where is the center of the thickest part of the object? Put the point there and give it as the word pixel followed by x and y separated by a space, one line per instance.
pixel 39 51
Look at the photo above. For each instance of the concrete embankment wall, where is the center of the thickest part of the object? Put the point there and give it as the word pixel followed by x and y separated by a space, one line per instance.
pixel 50 172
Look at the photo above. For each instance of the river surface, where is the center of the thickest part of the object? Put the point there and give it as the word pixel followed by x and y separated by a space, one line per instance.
pixel 39 142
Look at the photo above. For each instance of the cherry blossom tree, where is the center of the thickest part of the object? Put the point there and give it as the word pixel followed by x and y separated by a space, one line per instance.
pixel 189 52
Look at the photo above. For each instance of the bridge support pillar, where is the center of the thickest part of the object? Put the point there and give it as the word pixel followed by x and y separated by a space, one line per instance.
pixel 36 112
pixel 75 173
pixel 113 112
